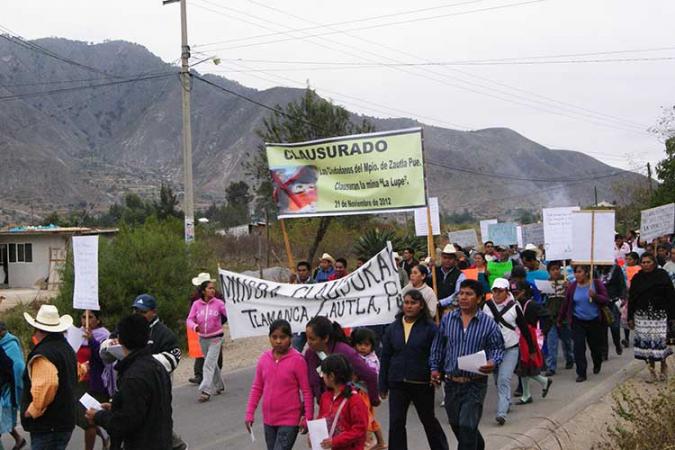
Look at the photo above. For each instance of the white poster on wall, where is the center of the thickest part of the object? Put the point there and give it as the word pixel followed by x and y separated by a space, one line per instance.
pixel 421 227
pixel 596 229
pixel 85 259
pixel 558 232
pixel 657 222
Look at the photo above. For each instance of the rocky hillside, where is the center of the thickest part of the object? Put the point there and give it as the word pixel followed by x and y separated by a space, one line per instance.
pixel 82 148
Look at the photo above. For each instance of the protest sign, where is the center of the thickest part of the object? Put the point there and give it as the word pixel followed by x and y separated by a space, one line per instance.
pixel 533 234
pixel 464 238
pixel 657 222
pixel 593 237
pixel 484 229
pixel 85 258
pixel 421 225
pixel 558 232
pixel 359 174
pixel 371 295
pixel 519 235
pixel 503 233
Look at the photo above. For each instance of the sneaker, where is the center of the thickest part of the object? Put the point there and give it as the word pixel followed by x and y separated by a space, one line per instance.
pixel 569 365
pixel 581 379
pixel 500 420
pixel 549 373
pixel 619 350
pixel 195 380
pixel 624 342
pixel 524 402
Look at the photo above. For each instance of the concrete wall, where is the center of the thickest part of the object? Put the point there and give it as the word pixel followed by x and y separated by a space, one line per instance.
pixel 28 275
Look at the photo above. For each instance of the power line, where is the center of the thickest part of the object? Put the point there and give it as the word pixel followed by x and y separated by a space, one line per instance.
pixel 351 66
pixel 327 33
pixel 346 22
pixel 78 88
pixel 606 121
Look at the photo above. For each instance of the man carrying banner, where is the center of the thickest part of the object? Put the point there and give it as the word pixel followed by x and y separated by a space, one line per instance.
pixel 302 275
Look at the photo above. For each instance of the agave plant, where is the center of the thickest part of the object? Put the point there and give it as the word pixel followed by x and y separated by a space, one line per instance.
pixel 374 240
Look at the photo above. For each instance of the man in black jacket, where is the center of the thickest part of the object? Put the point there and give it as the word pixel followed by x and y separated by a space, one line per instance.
pixel 140 414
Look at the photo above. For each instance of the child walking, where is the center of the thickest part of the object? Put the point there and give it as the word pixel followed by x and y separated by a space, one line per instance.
pixel 364 341
pixel 342 407
pixel 280 378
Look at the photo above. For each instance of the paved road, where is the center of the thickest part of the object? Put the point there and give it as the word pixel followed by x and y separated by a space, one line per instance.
pixel 218 424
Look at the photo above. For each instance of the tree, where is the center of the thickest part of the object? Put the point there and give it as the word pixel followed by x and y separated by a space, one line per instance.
pixel 168 201
pixel 665 172
pixel 238 194
pixel 306 119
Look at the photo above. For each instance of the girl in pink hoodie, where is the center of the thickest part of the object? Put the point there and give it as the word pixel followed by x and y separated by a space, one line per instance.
pixel 280 379
pixel 206 318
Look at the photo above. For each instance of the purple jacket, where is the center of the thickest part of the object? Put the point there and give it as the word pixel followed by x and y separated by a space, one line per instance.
pixel 567 308
pixel 367 375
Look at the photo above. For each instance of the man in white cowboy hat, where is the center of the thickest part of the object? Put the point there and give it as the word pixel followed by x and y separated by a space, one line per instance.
pixel 48 407
pixel 448 275
pixel 325 268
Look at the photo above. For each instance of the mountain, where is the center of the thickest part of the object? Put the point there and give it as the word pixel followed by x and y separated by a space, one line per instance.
pixel 85 148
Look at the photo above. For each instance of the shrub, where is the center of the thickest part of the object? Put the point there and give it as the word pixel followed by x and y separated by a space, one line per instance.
pixel 644 419
pixel 150 258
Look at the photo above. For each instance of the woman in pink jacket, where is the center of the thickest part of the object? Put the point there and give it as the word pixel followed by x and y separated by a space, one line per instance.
pixel 206 318
pixel 280 378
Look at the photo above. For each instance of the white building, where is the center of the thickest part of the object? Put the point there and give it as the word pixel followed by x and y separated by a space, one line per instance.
pixel 33 257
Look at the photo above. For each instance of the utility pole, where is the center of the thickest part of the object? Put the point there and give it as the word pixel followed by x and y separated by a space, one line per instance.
pixel 188 195
pixel 649 176
pixel 595 189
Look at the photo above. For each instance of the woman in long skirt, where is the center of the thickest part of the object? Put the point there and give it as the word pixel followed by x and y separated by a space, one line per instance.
pixel 651 310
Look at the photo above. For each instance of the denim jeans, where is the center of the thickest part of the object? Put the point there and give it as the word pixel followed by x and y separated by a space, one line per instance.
pixel 464 405
pixel 559 334
pixel 503 377
pixel 212 381
pixel 50 440
pixel 280 438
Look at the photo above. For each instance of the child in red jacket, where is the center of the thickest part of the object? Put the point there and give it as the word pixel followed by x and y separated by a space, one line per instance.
pixel 346 414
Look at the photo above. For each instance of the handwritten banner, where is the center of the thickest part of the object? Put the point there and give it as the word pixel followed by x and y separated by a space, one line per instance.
pixel 366 173
pixel 558 232
pixel 503 233
pixel 85 258
pixel 484 229
pixel 657 222
pixel 371 295
pixel 533 234
pixel 464 238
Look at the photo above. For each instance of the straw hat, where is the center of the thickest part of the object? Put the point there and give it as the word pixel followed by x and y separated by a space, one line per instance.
pixel 202 277
pixel 48 320
pixel 450 250
pixel 327 257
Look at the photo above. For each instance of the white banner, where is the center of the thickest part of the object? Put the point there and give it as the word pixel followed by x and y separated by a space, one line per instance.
pixel 421 226
pixel 558 232
pixel 596 227
pixel 464 238
pixel 85 258
pixel 484 229
pixel 657 222
pixel 371 295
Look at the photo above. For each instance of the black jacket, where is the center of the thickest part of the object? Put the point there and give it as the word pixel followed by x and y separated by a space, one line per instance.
pixel 163 344
pixel 140 417
pixel 60 414
pixel 406 362
pixel 445 283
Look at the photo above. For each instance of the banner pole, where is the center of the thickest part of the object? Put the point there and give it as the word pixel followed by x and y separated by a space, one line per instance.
pixel 287 244
pixel 86 319
pixel 592 248
pixel 430 234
